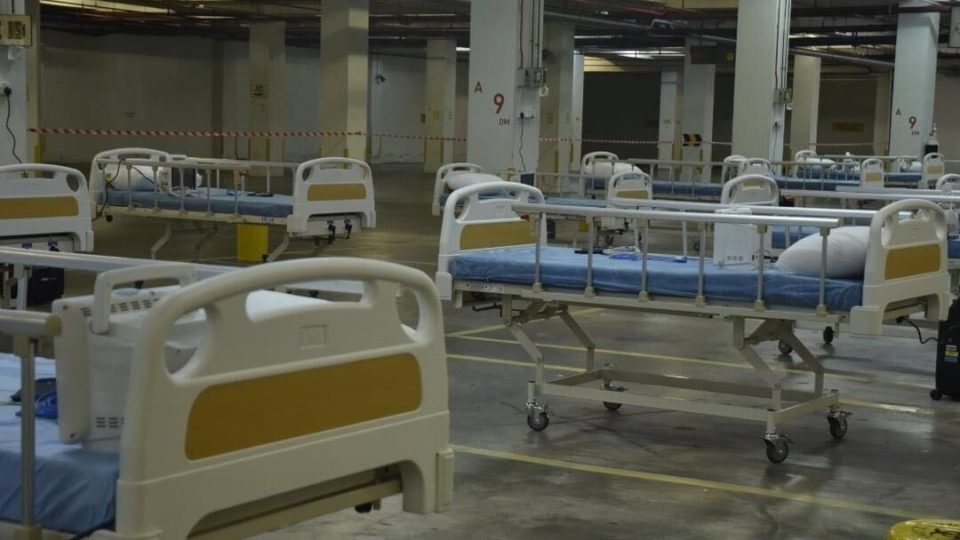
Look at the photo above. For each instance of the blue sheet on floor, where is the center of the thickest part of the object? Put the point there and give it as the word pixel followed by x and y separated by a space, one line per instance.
pixel 75 489
pixel 222 201
pixel 562 268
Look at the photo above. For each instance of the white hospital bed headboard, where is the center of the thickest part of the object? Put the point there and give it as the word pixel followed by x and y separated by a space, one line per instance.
pixel 754 166
pixel 932 168
pixel 486 220
pixel 627 187
pixel 756 189
pixel 948 182
pixel 453 176
pixel 731 166
pixel 331 186
pixel 39 200
pixel 871 173
pixel 99 170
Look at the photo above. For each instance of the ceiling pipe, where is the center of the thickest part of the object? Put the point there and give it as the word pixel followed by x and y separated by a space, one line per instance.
pixel 718 39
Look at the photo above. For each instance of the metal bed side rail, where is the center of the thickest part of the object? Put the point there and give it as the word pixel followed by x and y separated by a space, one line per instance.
pixel 762 223
pixel 854 194
pixel 27 328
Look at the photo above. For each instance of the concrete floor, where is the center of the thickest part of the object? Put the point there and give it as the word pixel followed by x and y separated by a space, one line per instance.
pixel 641 473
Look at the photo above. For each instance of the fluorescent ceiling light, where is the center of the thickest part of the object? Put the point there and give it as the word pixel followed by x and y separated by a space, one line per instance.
pixel 650 54
pixel 463 49
pixel 98 5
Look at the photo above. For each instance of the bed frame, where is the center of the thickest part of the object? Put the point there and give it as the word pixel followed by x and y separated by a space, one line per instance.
pixel 45 204
pixel 287 416
pixel 329 194
pixel 907 275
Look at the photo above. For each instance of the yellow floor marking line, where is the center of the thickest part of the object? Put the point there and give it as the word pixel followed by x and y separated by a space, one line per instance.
pixel 492 327
pixel 891 407
pixel 727 487
pixel 702 361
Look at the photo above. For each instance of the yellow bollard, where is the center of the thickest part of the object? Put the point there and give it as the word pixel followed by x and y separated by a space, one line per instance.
pixel 252 242
pixel 925 529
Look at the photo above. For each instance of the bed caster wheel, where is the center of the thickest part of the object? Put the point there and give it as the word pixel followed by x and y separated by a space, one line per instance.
pixel 778 447
pixel 838 425
pixel 828 335
pixel 109 219
pixel 612 405
pixel 364 508
pixel 696 246
pixel 784 347
pixel 936 395
pixel 537 416
pixel 538 421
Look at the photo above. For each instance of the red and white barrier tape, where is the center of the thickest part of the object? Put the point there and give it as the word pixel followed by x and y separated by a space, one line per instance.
pixel 319 134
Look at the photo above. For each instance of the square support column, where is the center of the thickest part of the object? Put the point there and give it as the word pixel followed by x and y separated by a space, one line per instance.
pixel 914 79
pixel 806 104
pixel 268 60
pixel 576 125
pixel 699 82
pixel 23 79
pixel 881 114
pixel 505 81
pixel 760 86
pixel 556 109
pixel 440 103
pixel 669 112
pixel 344 74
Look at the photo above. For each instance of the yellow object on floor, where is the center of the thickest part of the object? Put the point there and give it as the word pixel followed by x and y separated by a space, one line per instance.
pixel 925 529
pixel 252 242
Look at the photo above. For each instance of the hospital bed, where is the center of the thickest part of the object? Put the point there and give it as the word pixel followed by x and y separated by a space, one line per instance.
pixel 329 195
pixel 45 205
pixel 490 249
pixel 282 410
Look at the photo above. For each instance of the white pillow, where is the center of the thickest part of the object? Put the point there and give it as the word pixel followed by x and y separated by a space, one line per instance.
pixel 846 254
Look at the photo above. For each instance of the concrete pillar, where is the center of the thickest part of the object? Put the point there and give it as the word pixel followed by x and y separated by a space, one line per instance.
pixel 576 126
pixel 503 128
pixel 344 31
pixel 35 141
pixel 881 114
pixel 669 112
pixel 268 60
pixel 806 104
pixel 17 73
pixel 699 81
pixel 760 86
pixel 556 109
pixel 914 79
pixel 440 103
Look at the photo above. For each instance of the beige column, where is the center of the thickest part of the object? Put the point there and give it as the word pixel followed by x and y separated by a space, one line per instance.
pixel 344 32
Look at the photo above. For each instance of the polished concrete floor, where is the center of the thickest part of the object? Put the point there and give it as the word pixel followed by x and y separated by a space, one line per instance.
pixel 641 473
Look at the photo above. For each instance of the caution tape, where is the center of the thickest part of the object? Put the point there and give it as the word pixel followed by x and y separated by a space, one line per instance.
pixel 216 134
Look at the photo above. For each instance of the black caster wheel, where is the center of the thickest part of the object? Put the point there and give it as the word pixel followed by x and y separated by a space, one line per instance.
pixel 696 246
pixel 613 405
pixel 109 219
pixel 936 395
pixel 838 426
pixel 538 422
pixel 784 347
pixel 364 508
pixel 828 335
pixel 777 449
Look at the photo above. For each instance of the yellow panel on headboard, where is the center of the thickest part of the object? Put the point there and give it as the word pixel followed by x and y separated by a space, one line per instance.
pixel 873 177
pixel 336 192
pixel 754 182
pixel 634 194
pixel 912 261
pixel 38 207
pixel 935 169
pixel 244 414
pixel 488 235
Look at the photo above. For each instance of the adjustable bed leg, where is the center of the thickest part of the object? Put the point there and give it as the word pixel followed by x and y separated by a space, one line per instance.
pixel 538 417
pixel 284 244
pixel 582 337
pixel 162 241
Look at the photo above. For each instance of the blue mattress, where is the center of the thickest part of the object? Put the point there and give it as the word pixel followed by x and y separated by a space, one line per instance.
pixel 562 268
pixel 222 201
pixel 75 489
pixel 906 178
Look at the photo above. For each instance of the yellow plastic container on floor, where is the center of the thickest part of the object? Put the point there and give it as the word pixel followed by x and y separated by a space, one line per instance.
pixel 925 529
pixel 252 242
